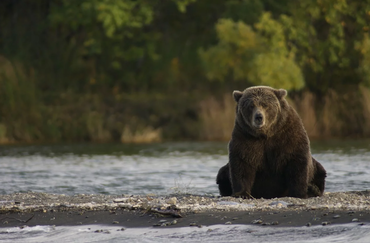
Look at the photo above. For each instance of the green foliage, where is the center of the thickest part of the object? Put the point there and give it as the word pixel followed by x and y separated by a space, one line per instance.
pixel 260 56
pixel 314 37
pixel 324 33
pixel 275 66
pixel 112 15
pixel 182 4
pixel 108 23
pixel 276 71
pixel 248 11
pixel 364 68
pixel 52 50
pixel 318 27
pixel 237 45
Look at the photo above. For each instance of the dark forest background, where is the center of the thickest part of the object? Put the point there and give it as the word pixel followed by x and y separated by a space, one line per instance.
pixel 154 70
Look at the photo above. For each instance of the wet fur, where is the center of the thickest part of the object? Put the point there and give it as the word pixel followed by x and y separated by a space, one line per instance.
pixel 272 161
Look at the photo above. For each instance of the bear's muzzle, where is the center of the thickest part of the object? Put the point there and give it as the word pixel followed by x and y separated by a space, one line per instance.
pixel 258 119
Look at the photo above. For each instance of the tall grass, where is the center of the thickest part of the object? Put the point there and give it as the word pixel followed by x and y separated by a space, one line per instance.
pixel 217 117
pixel 19 110
pixel 143 135
pixel 29 115
pixel 305 106
pixel 365 93
pixel 336 115
pixel 96 127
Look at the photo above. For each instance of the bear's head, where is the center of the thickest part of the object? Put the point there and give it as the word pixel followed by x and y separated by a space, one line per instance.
pixel 259 108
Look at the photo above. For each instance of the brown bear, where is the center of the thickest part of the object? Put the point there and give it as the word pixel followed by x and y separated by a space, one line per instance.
pixel 269 150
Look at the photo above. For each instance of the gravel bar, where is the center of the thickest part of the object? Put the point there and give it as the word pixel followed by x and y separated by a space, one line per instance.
pixel 35 208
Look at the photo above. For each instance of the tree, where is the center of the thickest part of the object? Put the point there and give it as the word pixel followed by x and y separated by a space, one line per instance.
pixel 258 56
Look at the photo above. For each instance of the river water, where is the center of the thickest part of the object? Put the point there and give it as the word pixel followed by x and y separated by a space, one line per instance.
pixel 164 169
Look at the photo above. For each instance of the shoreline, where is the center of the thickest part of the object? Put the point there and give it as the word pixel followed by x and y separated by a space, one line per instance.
pixel 30 209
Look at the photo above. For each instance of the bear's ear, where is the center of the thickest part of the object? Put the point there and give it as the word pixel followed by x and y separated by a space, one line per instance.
pixel 237 95
pixel 280 93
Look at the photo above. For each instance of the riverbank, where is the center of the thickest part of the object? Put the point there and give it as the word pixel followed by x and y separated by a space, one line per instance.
pixel 151 118
pixel 30 209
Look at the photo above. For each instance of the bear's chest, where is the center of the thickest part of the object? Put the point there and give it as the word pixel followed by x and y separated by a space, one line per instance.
pixel 267 156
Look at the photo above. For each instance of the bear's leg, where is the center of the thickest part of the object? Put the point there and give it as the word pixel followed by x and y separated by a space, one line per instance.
pixel 317 185
pixel 313 191
pixel 296 176
pixel 223 181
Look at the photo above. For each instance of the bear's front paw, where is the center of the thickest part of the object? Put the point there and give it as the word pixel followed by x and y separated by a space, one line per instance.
pixel 242 194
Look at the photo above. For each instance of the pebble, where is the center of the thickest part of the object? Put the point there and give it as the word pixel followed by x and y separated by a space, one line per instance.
pixel 257 221
pixel 355 220
pixel 228 222
pixel 172 200
pixel 308 224
pixel 164 223
pixel 120 200
pixel 325 223
pixel 195 224
pixel 336 216
pixel 279 204
pixel 227 203
pixel 115 222
pixel 102 231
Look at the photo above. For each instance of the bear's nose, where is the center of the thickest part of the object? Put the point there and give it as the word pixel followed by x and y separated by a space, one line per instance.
pixel 258 117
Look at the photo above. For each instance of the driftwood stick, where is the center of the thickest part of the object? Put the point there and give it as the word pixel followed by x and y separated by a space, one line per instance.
pixel 19 220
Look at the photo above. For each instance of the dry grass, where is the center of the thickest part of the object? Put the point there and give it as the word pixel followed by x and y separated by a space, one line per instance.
pixel 335 115
pixel 95 127
pixel 306 110
pixel 365 92
pixel 11 71
pixel 182 188
pixel 217 118
pixel 320 117
pixel 329 122
pixel 3 137
pixel 142 135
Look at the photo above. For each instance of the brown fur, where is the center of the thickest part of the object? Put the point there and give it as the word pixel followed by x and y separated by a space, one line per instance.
pixel 269 151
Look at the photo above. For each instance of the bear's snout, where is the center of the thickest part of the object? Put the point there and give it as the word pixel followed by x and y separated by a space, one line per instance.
pixel 258 119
